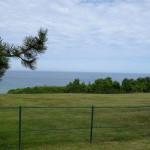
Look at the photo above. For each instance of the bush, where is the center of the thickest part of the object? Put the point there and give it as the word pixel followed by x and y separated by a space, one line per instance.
pixel 37 90
pixel 76 87
pixel 101 86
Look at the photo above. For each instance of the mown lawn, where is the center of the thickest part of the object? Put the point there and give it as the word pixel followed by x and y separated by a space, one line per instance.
pixel 74 99
pixel 69 128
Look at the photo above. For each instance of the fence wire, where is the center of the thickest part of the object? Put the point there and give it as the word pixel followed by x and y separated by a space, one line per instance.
pixel 31 127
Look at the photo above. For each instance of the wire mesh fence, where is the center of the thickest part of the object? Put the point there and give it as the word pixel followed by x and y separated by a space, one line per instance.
pixel 29 127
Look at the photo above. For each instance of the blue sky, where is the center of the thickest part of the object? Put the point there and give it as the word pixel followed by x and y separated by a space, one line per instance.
pixel 83 35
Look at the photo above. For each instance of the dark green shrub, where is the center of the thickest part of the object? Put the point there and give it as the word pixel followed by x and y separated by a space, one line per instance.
pixel 101 86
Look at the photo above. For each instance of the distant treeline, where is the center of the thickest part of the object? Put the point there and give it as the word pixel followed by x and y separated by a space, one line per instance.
pixel 100 86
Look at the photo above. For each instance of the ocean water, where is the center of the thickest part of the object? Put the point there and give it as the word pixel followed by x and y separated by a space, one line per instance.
pixel 20 79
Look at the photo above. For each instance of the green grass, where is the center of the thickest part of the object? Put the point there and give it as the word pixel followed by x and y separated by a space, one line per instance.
pixel 110 145
pixel 114 138
pixel 74 99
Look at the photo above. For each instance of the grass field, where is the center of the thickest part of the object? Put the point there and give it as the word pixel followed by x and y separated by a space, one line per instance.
pixel 34 119
pixel 74 99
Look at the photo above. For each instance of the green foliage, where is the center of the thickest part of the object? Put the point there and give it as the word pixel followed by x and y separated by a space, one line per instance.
pixel 76 87
pixel 128 85
pixel 103 86
pixel 38 90
pixel 147 80
pixel 116 87
pixel 138 85
pixel 100 86
pixel 3 65
pixel 28 52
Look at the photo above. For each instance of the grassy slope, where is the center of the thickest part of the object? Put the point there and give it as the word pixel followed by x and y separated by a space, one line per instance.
pixel 131 143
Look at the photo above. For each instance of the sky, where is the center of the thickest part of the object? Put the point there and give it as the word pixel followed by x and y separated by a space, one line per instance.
pixel 83 35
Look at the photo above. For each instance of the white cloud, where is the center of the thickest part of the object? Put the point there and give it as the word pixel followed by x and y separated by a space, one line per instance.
pixel 83 30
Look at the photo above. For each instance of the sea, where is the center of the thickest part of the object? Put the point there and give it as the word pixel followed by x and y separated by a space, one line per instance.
pixel 22 79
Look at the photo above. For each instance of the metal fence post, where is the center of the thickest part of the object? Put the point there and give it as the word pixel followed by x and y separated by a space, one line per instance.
pixel 91 131
pixel 19 130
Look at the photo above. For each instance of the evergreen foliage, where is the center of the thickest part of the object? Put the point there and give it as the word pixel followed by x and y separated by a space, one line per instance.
pixel 28 52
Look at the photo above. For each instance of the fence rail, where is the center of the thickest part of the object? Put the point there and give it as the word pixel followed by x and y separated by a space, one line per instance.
pixel 24 127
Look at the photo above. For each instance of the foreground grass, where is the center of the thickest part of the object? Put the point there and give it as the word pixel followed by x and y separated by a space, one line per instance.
pixel 103 138
pixel 113 145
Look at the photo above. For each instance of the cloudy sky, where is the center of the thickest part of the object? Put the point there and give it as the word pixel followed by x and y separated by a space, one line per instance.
pixel 83 35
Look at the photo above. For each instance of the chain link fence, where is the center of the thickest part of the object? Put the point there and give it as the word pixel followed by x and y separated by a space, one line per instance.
pixel 31 127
